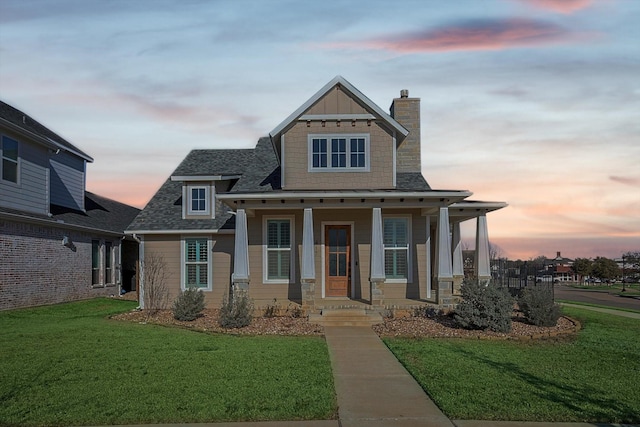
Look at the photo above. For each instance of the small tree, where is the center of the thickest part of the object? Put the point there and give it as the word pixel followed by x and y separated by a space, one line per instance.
pixel 155 288
pixel 484 307
pixel 582 267
pixel 605 268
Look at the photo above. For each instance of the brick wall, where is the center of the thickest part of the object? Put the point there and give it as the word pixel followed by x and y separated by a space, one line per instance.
pixel 36 269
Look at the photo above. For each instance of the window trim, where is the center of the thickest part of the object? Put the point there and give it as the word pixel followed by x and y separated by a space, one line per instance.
pixel 109 266
pixel 209 200
pixel 100 280
pixel 265 249
pixel 183 259
pixel 408 218
pixel 17 161
pixel 348 137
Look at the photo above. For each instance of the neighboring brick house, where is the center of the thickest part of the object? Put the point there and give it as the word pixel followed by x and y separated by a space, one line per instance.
pixel 331 207
pixel 58 242
pixel 558 269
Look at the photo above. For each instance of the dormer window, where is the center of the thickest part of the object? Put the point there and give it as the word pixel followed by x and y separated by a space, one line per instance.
pixel 342 152
pixel 198 200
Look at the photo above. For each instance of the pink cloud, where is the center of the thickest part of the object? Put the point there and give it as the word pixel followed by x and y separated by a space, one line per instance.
pixel 486 34
pixel 635 182
pixel 559 6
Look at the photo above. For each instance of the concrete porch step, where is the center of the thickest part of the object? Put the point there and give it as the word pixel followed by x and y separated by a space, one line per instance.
pixel 346 317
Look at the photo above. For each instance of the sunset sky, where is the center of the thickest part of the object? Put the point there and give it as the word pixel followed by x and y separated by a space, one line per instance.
pixel 531 102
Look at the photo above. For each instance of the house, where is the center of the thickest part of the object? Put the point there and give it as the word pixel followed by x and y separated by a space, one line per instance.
pixel 558 269
pixel 330 206
pixel 58 242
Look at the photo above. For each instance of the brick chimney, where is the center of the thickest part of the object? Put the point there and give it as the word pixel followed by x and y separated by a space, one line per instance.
pixel 406 111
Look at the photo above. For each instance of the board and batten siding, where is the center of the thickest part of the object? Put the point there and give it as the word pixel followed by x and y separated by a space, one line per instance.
pixel 31 192
pixel 67 181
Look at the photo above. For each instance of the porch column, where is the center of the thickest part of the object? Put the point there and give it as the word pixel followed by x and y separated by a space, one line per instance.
pixel 483 266
pixel 458 266
pixel 378 277
pixel 444 265
pixel 308 273
pixel 428 257
pixel 240 277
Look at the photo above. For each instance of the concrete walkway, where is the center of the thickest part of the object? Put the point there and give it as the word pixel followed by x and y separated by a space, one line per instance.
pixel 612 311
pixel 373 388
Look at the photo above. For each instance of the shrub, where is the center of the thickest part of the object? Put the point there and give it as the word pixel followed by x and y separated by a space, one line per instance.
pixel 271 310
pixel 426 311
pixel 236 311
pixel 538 306
pixel 294 311
pixel 484 307
pixel 189 304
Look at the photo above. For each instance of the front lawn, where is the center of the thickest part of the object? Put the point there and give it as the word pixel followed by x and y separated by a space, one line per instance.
pixel 592 378
pixel 70 365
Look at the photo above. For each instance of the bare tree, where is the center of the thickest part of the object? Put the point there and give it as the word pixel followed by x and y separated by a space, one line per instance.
pixel 155 276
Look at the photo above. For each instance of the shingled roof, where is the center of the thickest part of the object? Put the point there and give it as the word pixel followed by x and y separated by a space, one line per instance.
pixel 23 122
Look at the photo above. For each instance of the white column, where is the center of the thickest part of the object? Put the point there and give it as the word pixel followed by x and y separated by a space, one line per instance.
pixel 483 268
pixel 443 247
pixel 241 250
pixel 377 246
pixel 458 267
pixel 428 256
pixel 308 262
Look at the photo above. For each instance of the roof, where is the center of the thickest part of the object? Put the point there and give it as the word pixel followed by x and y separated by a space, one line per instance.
pixel 23 123
pixel 102 215
pixel 351 89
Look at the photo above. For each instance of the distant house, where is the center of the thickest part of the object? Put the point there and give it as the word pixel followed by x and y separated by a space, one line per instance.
pixel 58 242
pixel 330 206
pixel 558 269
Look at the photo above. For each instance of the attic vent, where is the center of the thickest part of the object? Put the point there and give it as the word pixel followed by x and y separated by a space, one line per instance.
pixel 404 93
pixel 24 120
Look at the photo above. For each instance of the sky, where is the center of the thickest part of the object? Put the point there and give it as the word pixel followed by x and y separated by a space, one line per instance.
pixel 531 102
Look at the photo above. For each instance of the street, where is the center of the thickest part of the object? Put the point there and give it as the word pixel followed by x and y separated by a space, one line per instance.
pixel 595 297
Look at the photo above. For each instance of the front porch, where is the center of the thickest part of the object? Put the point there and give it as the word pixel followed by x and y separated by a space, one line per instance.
pixel 346 251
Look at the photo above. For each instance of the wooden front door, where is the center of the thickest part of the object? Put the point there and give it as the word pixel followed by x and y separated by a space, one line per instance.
pixel 337 257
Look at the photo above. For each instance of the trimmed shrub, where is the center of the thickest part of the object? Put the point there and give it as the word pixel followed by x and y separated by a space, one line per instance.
pixel 539 309
pixel 189 304
pixel 236 311
pixel 484 307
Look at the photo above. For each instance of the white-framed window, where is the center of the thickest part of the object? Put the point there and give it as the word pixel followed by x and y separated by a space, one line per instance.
pixel 199 200
pixel 397 243
pixel 96 262
pixel 278 249
pixel 196 263
pixel 108 263
pixel 9 167
pixel 340 152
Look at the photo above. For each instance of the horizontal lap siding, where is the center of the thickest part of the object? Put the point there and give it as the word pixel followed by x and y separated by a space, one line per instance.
pixel 67 181
pixel 30 195
pixel 169 248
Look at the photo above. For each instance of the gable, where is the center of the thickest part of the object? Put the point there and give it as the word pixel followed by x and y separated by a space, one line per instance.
pixel 337 101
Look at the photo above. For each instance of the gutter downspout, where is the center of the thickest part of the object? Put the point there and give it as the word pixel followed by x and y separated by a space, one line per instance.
pixel 140 275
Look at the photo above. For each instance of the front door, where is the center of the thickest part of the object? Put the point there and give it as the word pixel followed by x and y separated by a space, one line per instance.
pixel 337 260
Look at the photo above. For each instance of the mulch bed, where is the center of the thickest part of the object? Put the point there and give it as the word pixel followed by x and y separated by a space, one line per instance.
pixel 415 327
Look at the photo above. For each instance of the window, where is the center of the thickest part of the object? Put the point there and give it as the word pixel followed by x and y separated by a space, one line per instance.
pixel 339 152
pixel 95 262
pixel 196 265
pixel 108 263
pixel 278 250
pixel 396 248
pixel 198 200
pixel 9 149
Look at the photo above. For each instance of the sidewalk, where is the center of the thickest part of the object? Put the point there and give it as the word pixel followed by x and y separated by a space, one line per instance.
pixel 611 311
pixel 373 388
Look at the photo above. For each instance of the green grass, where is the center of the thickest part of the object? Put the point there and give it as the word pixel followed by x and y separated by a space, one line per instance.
pixel 70 365
pixel 592 378
pixel 588 304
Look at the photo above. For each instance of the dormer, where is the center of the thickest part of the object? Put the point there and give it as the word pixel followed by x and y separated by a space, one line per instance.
pixel 339 140
pixel 199 194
